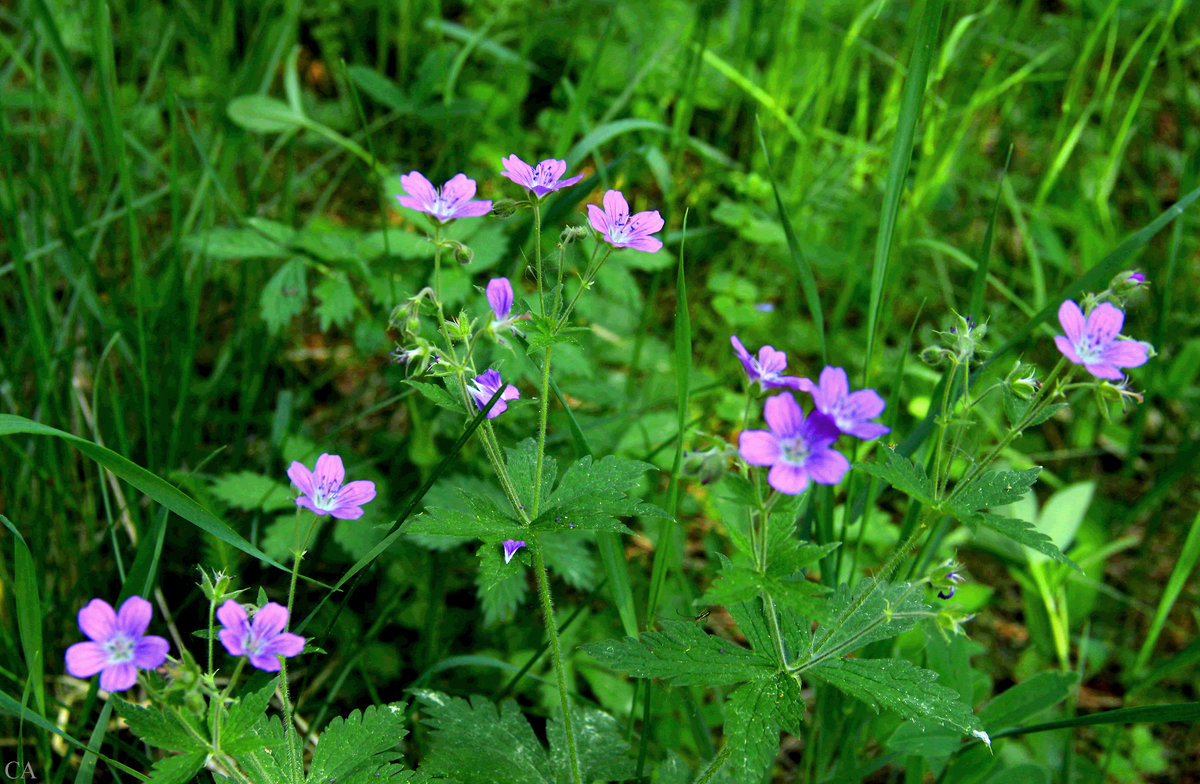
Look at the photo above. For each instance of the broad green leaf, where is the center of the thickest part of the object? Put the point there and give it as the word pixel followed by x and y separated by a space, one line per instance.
pixel 338 304
pixel 902 474
pixel 170 730
pixel 152 485
pixel 177 768
pixel 264 114
pixel 251 492
pixel 1063 513
pixel 604 754
pixel 902 687
pixel 1028 698
pixel 995 488
pixel 741 583
pixel 284 296
pixel 754 716
pixel 381 89
pixel 682 653
pixel 235 243
pixel 477 743
pixel 359 744
pixel 1021 532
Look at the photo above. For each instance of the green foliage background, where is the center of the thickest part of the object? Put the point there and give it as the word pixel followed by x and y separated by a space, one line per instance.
pixel 201 249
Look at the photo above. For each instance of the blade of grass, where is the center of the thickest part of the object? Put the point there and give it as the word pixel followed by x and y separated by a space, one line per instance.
pixel 808 281
pixel 980 278
pixel 152 485
pixel 29 613
pixel 898 165
pixel 1179 576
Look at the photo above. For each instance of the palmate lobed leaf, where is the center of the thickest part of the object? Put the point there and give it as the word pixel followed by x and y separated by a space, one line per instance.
pixel 604 754
pixel 902 687
pixel 177 768
pixel 594 495
pixel 682 653
pixel 250 491
pixel 871 611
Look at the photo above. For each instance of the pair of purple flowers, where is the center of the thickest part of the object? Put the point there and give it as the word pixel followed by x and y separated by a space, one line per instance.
pixel 118 646
pixel 796 447
pixel 455 199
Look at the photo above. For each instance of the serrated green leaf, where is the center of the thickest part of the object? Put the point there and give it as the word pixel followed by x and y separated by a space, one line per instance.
pixel 360 743
pixel 872 611
pixel 284 296
pixel 253 492
pixel 178 768
pixel 1019 703
pixel 436 395
pixel 754 716
pixel 603 752
pixel 1021 532
pixel 924 739
pixel 476 516
pixel 1015 408
pixel 249 711
pixel 995 488
pixel 265 760
pixel 570 557
pixel 902 474
pixel 169 730
pixel 901 687
pixel 235 243
pixel 592 495
pixel 521 461
pixel 737 584
pixel 477 743
pixel 338 304
pixel 683 654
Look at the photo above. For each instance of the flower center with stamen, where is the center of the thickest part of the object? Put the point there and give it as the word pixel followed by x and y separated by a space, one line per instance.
pixel 618 228
pixel 1088 348
pixel 326 494
pixel 541 175
pixel 119 649
pixel 795 450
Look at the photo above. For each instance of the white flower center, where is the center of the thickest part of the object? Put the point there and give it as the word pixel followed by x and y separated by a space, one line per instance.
pixel 119 648
pixel 1089 347
pixel 542 175
pixel 795 450
pixel 326 493
pixel 618 227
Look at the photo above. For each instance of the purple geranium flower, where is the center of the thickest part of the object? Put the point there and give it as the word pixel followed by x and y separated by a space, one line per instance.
pixel 264 640
pixel 767 369
pixel 622 230
pixel 848 410
pixel 510 548
pixel 540 179
pixel 797 449
pixel 1093 342
pixel 323 491
pixel 118 646
pixel 485 385
pixel 452 201
pixel 500 297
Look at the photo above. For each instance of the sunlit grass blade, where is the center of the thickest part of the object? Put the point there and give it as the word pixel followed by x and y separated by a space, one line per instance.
pixel 29 613
pixel 1185 711
pixel 87 766
pixel 898 164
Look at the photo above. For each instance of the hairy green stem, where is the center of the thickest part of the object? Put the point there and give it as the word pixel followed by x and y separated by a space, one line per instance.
pixel 543 581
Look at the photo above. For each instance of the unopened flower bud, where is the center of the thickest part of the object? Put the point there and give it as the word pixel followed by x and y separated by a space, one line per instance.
pixel 932 355
pixel 707 465
pixel 1126 284
pixel 216 586
pixel 506 208
pixel 571 234
pixel 1022 381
